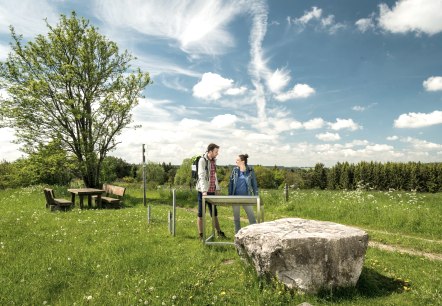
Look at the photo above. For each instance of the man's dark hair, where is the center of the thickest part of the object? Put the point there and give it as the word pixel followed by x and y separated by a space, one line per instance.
pixel 212 147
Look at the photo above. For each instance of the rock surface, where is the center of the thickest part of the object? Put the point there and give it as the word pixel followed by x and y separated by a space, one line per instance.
pixel 306 255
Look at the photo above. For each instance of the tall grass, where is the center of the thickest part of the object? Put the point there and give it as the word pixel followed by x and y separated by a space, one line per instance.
pixel 114 257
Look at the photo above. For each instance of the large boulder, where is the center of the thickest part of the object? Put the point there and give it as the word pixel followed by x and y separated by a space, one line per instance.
pixel 306 255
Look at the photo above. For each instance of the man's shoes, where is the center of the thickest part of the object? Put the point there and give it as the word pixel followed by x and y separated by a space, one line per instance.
pixel 201 236
pixel 221 234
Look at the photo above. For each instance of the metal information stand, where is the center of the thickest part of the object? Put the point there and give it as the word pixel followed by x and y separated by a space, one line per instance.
pixel 228 201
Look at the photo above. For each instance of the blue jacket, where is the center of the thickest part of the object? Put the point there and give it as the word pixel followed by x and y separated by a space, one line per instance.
pixel 252 185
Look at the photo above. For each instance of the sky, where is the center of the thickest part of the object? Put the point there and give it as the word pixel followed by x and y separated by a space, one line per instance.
pixel 289 82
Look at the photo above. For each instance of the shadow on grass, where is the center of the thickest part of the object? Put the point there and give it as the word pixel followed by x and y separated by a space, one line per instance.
pixel 371 284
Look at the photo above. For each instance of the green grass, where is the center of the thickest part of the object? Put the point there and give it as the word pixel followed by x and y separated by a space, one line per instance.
pixel 114 257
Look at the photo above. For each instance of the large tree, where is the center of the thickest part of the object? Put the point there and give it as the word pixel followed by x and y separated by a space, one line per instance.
pixel 73 85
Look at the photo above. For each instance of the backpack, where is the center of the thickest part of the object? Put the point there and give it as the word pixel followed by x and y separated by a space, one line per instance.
pixel 194 175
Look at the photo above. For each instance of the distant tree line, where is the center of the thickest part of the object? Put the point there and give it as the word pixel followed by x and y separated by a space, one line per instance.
pixel 51 165
pixel 423 177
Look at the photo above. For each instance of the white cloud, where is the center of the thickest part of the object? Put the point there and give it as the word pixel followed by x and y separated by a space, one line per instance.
pixel 298 91
pixel 223 121
pixel 358 108
pixel 314 124
pixel 417 120
pixel 341 124
pixel 278 80
pixel 328 136
pixel 365 24
pixel 314 13
pixel 236 91
pixel 412 16
pixel 212 86
pixel 392 138
pixel 198 26
pixel 433 83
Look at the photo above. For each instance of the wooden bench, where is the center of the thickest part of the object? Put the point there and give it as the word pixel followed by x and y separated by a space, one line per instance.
pixel 113 195
pixel 55 203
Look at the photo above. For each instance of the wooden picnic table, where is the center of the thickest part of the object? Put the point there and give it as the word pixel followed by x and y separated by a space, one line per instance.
pixel 89 192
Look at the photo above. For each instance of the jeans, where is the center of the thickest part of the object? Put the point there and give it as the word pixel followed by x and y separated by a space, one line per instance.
pixel 236 216
pixel 200 205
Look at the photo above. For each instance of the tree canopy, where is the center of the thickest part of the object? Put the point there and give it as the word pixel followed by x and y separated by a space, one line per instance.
pixel 71 85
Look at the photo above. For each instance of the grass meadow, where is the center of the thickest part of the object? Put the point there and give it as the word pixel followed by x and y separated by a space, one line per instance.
pixel 114 257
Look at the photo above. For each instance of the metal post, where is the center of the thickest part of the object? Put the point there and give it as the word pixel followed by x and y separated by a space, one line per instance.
pixel 173 212
pixel 286 191
pixel 148 214
pixel 144 177
pixel 169 221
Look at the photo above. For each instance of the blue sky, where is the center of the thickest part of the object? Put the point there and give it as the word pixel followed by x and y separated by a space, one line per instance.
pixel 290 83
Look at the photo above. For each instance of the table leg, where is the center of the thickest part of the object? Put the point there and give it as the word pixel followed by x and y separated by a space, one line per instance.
pixel 73 198
pixel 204 220
pixel 81 200
pixel 89 200
pixel 99 200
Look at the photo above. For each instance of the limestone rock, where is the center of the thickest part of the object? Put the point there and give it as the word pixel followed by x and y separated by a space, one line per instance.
pixel 307 255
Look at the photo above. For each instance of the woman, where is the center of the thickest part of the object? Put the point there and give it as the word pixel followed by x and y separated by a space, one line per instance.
pixel 243 182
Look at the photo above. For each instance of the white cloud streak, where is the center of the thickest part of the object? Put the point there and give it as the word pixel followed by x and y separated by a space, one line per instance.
pixel 27 16
pixel 197 26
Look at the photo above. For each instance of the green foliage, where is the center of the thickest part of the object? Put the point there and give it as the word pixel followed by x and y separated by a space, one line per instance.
pixel 71 86
pixel 47 164
pixel 183 174
pixel 155 174
pixel 264 177
pixel 114 168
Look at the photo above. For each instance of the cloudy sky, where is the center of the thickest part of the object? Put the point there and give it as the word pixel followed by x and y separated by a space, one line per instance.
pixel 290 82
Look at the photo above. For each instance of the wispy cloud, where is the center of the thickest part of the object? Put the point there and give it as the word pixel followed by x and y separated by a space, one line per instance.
pixel 418 120
pixel 314 13
pixel 257 65
pixel 366 24
pixel 420 16
pixel 278 80
pixel 27 16
pixel 197 26
pixel 314 16
pixel 433 83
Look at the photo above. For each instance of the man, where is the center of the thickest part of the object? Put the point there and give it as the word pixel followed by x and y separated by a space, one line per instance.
pixel 207 184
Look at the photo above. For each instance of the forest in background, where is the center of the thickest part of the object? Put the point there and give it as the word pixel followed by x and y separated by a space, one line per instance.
pixel 56 168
